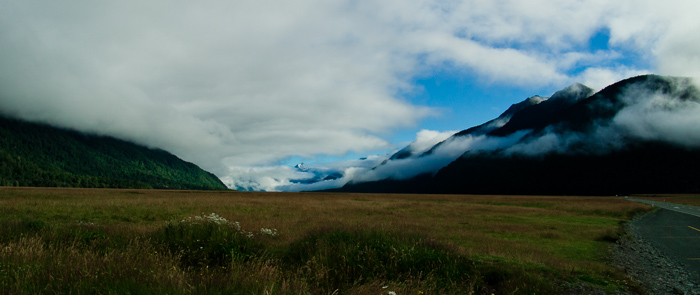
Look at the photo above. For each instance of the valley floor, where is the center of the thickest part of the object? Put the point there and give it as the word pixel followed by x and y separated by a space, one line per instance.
pixel 196 242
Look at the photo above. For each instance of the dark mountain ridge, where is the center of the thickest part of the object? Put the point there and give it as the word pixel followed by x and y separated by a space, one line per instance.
pixel 482 129
pixel 34 154
pixel 573 145
pixel 495 124
pixel 540 115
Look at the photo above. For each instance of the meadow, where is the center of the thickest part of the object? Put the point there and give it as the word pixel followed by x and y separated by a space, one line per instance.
pixel 109 241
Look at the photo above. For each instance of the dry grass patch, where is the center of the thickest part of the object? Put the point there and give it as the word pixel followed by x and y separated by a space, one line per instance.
pixel 514 241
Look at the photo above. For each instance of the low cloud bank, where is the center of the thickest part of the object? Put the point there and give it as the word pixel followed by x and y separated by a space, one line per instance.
pixel 373 168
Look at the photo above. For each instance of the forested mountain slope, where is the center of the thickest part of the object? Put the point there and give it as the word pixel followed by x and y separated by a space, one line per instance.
pixel 33 154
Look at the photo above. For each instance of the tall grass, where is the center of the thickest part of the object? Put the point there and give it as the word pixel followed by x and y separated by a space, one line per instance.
pixel 340 259
pixel 32 266
pixel 58 241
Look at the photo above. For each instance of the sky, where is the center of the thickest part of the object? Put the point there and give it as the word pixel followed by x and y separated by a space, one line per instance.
pixel 248 89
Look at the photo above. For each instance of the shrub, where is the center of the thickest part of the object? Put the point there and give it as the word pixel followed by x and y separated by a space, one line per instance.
pixel 207 240
pixel 338 259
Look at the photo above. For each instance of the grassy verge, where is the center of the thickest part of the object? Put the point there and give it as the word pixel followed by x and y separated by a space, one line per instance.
pixel 86 241
pixel 692 200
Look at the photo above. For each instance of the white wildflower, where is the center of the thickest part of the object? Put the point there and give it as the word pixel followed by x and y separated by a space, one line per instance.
pixel 269 231
pixel 216 219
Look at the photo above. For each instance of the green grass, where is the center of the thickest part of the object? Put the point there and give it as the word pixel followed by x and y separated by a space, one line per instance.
pixel 207 241
pixel 60 241
pixel 209 258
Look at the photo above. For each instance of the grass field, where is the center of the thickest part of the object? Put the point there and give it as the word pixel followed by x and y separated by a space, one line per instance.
pixel 687 199
pixel 101 241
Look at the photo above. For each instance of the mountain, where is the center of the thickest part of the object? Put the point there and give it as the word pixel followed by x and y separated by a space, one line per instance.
pixel 650 167
pixel 485 128
pixel 539 115
pixel 33 154
pixel 495 124
pixel 638 135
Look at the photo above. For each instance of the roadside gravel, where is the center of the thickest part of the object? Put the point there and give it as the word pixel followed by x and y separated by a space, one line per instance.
pixel 650 268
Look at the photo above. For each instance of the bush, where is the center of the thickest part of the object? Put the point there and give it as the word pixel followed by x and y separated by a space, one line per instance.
pixel 207 240
pixel 338 259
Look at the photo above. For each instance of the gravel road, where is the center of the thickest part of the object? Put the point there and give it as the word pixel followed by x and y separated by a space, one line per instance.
pixel 690 210
pixel 650 265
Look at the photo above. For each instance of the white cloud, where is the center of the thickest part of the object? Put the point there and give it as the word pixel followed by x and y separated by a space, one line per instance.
pixel 248 83
pixel 661 116
pixel 425 139
pixel 599 78
pixel 314 177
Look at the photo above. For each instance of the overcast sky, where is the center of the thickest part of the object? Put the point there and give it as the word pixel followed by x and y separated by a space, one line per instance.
pixel 253 86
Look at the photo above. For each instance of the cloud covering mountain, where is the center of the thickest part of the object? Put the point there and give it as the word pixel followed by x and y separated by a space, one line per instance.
pixel 637 135
pixel 239 87
pixel 574 122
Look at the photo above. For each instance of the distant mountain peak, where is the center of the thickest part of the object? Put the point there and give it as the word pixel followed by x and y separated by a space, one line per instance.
pixel 536 99
pixel 482 129
pixel 514 108
pixel 573 92
pixel 301 167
